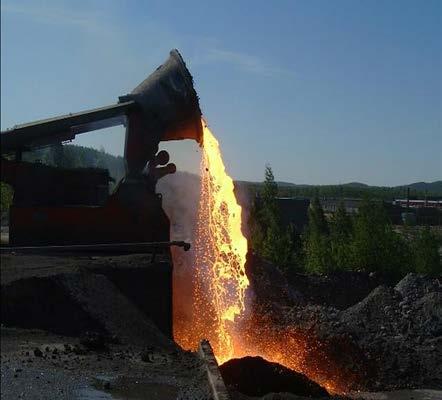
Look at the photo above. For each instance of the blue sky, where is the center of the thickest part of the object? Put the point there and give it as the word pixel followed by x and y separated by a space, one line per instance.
pixel 325 91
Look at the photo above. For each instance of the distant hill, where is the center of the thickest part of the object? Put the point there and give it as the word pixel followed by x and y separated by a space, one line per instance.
pixel 280 183
pixel 418 190
pixel 431 187
pixel 434 188
pixel 356 185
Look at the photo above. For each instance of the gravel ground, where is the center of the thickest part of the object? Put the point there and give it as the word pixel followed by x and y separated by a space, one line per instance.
pixel 111 350
pixel 397 328
pixel 39 365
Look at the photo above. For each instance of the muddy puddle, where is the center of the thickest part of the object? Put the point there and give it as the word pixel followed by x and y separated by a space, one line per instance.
pixel 108 388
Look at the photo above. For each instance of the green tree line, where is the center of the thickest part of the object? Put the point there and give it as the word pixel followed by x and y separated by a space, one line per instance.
pixel 345 190
pixel 364 242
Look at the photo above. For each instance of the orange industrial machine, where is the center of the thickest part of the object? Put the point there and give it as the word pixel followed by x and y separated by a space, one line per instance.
pixel 54 206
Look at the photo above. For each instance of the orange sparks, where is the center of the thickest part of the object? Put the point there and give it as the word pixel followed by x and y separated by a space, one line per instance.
pixel 221 248
pixel 214 307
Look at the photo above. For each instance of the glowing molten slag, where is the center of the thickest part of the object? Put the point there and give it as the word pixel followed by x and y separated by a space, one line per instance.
pixel 218 265
pixel 214 308
pixel 220 253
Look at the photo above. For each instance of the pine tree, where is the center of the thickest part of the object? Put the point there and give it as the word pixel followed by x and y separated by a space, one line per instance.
pixel 317 218
pixel 369 237
pixel 425 249
pixel 376 246
pixel 340 239
pixel 277 246
pixel 341 222
pixel 316 241
pixel 269 194
pixel 269 239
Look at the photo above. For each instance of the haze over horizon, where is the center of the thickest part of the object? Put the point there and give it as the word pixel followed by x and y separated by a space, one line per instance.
pixel 327 93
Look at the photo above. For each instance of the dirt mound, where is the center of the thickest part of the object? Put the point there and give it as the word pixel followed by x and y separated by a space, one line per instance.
pixel 42 303
pixel 337 289
pixel 376 313
pixel 73 303
pixel 393 333
pixel 412 309
pixel 415 285
pixel 400 330
pixel 255 376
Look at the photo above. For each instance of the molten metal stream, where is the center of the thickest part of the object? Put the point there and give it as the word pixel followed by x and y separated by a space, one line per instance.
pixel 220 253
pixel 220 282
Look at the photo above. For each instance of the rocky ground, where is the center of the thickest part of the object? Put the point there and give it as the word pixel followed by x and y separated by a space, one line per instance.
pixel 93 341
pixel 39 365
pixel 109 349
pixel 397 327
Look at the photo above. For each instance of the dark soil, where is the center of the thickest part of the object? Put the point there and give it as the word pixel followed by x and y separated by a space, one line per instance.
pixel 388 336
pixel 255 376
pixel 90 331
pixel 397 328
pixel 63 368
